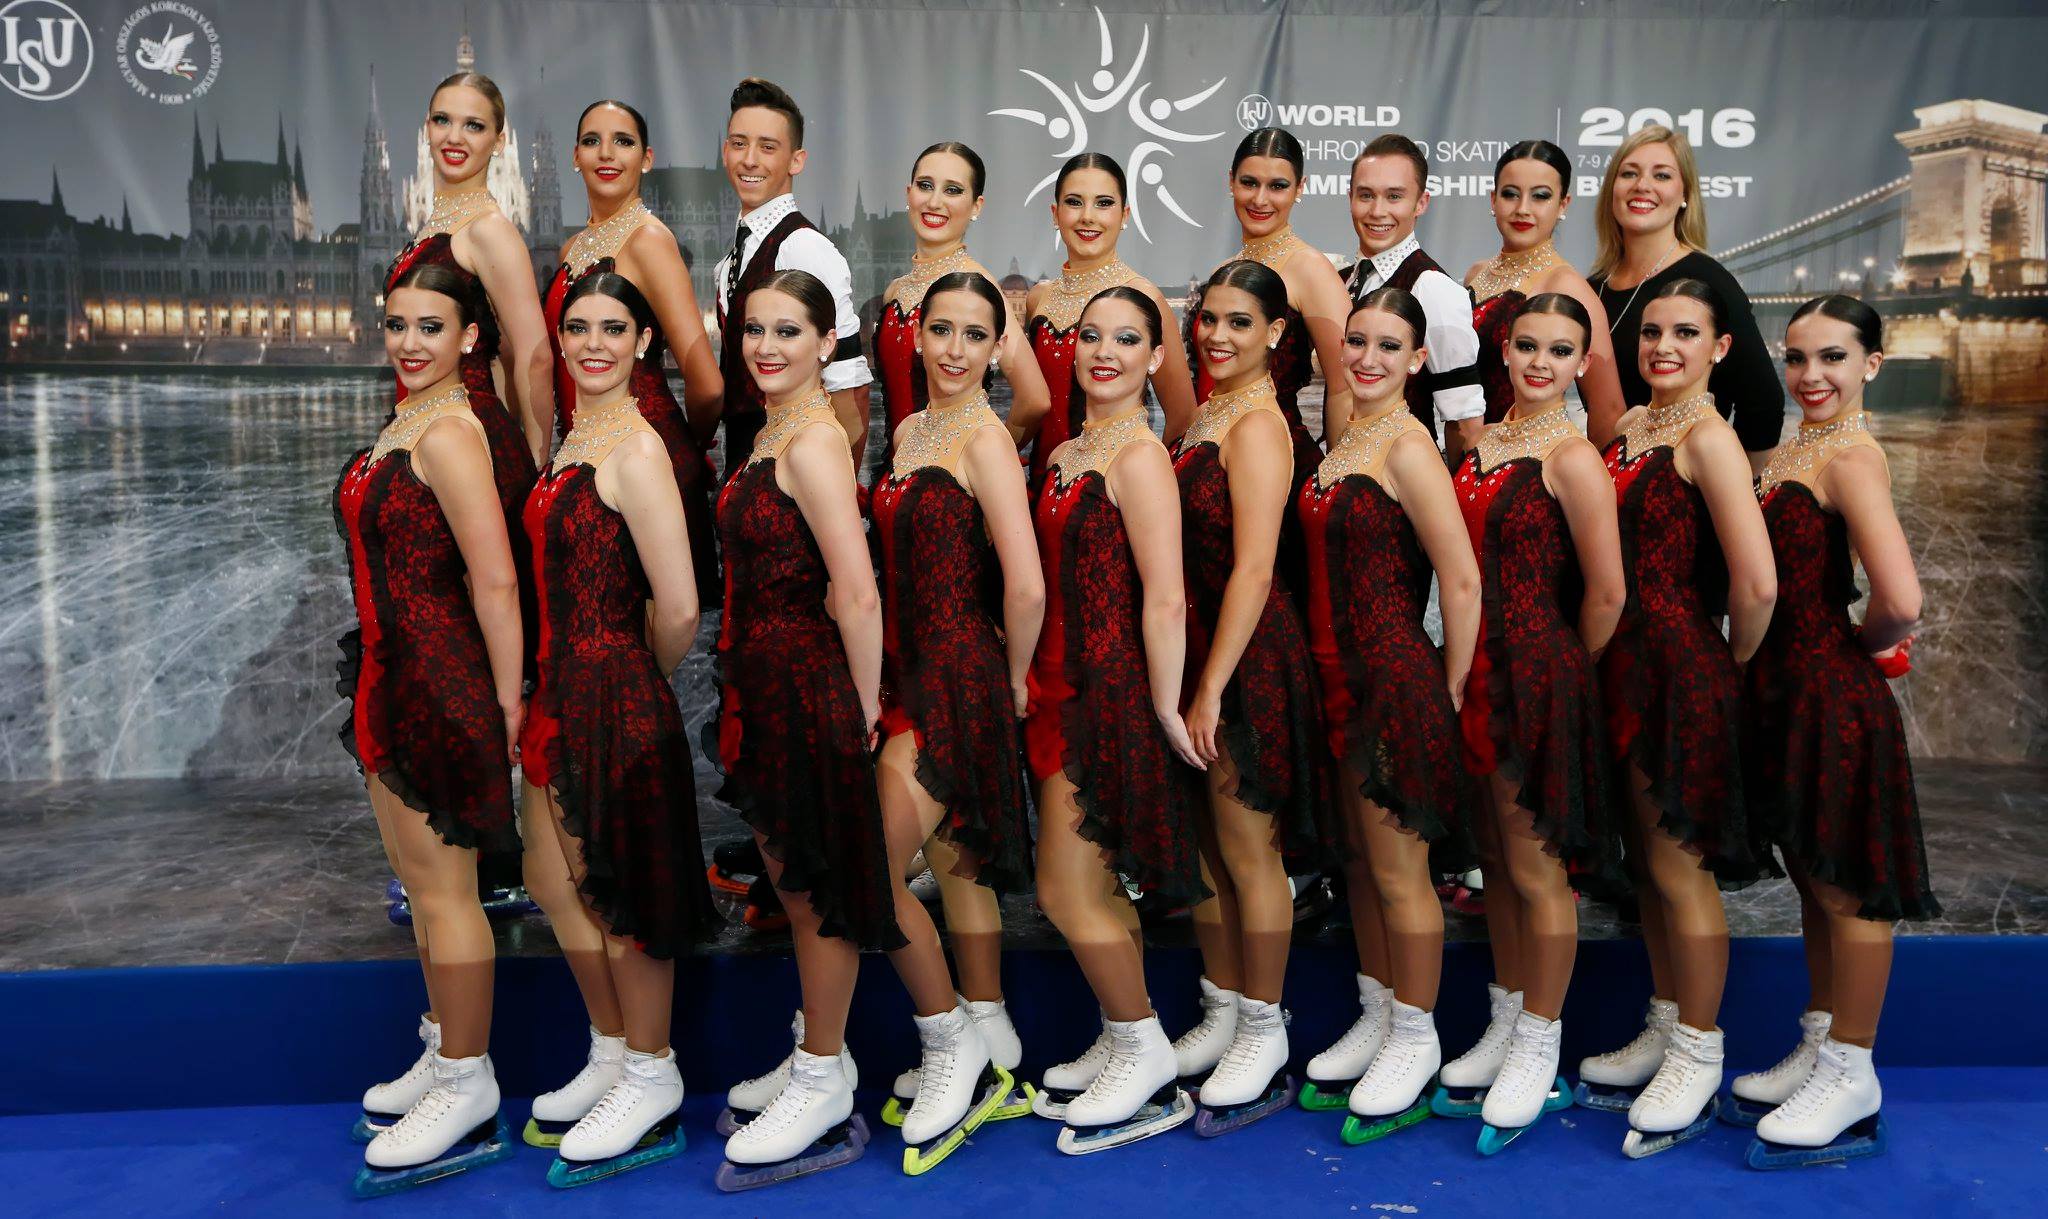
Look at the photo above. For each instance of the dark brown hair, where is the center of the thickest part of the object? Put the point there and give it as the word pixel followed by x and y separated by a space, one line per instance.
pixel 753 91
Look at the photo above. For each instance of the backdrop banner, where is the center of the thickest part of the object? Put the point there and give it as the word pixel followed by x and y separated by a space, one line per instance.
pixel 200 200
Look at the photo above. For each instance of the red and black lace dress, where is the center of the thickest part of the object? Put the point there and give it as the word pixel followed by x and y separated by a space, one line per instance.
pixel 424 715
pixel 1492 318
pixel 603 731
pixel 790 735
pixel 1387 713
pixel 512 467
pixel 1271 715
pixel 1091 697
pixel 649 387
pixel 945 675
pixel 1532 704
pixel 896 360
pixel 1828 762
pixel 1052 332
pixel 1673 694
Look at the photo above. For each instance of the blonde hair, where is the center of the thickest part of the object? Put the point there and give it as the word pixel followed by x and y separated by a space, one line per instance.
pixel 1692 217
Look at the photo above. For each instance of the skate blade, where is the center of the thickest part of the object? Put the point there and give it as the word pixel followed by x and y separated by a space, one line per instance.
pixel 731 1119
pixel 735 885
pixel 1051 1104
pixel 1560 1096
pixel 1865 1138
pixel 1316 1100
pixel 1150 1119
pixel 1744 1113
pixel 1638 1144
pixel 663 1142
pixel 1021 1102
pixel 1457 1102
pixel 549 1135
pixel 487 1144
pixel 1605 1099
pixel 1359 1131
pixel 1211 1122
pixel 921 1159
pixel 843 1144
pixel 368 1127
pixel 1492 1138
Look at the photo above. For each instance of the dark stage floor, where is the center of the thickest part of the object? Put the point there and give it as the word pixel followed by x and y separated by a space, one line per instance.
pixel 186 872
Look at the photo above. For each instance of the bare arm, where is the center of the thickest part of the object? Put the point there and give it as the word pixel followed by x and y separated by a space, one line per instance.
pixel 452 460
pixel 1714 460
pixel 1427 495
pixel 1325 305
pixel 1260 465
pixel 998 485
pixel 1860 488
pixel 640 483
pixel 1030 397
pixel 815 473
pixel 1576 475
pixel 1141 480
pixel 502 263
pixel 1600 386
pixel 1174 382
pixel 850 407
pixel 655 265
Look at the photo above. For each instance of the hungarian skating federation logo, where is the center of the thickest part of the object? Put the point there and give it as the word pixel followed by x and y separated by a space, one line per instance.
pixel 45 49
pixel 1108 91
pixel 161 55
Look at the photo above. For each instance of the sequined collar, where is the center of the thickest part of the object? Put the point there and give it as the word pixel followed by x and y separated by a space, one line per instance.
pixel 1067 296
pixel 934 434
pixel 452 212
pixel 1812 447
pixel 412 418
pixel 1506 271
pixel 786 421
pixel 604 239
pixel 1364 442
pixel 1656 427
pixel 595 433
pixel 912 287
pixel 1099 443
pixel 1271 251
pixel 1215 417
pixel 1514 439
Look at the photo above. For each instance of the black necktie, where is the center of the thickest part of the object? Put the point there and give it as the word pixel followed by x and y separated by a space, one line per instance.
pixel 732 270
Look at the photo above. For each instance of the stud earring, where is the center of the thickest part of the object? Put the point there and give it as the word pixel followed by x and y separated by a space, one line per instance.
pixel 1715 360
pixel 466 349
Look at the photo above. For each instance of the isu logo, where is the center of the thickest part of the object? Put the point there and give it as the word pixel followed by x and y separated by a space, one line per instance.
pixel 48 49
pixel 1254 111
pixel 1107 92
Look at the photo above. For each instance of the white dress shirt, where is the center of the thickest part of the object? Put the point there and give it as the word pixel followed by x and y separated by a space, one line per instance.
pixel 1452 342
pixel 804 250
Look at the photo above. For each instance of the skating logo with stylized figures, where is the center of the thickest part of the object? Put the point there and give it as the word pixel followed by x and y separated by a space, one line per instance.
pixel 159 53
pixel 45 49
pixel 1108 91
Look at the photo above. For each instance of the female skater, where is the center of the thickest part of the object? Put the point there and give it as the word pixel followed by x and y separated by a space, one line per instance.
pixel 1252 704
pixel 1693 542
pixel 944 195
pixel 1540 510
pixel 1830 761
pixel 1532 187
pixel 1652 229
pixel 1379 518
pixel 1105 738
pixel 604 752
pixel 504 369
pixel 433 674
pixel 623 237
pixel 951 519
pixel 800 659
pixel 1089 210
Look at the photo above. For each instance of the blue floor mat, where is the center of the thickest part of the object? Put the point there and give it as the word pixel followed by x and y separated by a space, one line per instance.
pixel 1963 1141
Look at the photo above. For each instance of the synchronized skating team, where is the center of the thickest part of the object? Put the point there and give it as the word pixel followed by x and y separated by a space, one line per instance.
pixel 1214 642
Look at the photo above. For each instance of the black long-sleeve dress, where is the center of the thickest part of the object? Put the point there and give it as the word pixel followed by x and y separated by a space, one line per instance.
pixel 1746 385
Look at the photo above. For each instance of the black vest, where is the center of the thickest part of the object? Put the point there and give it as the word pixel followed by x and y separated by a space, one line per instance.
pixel 745 409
